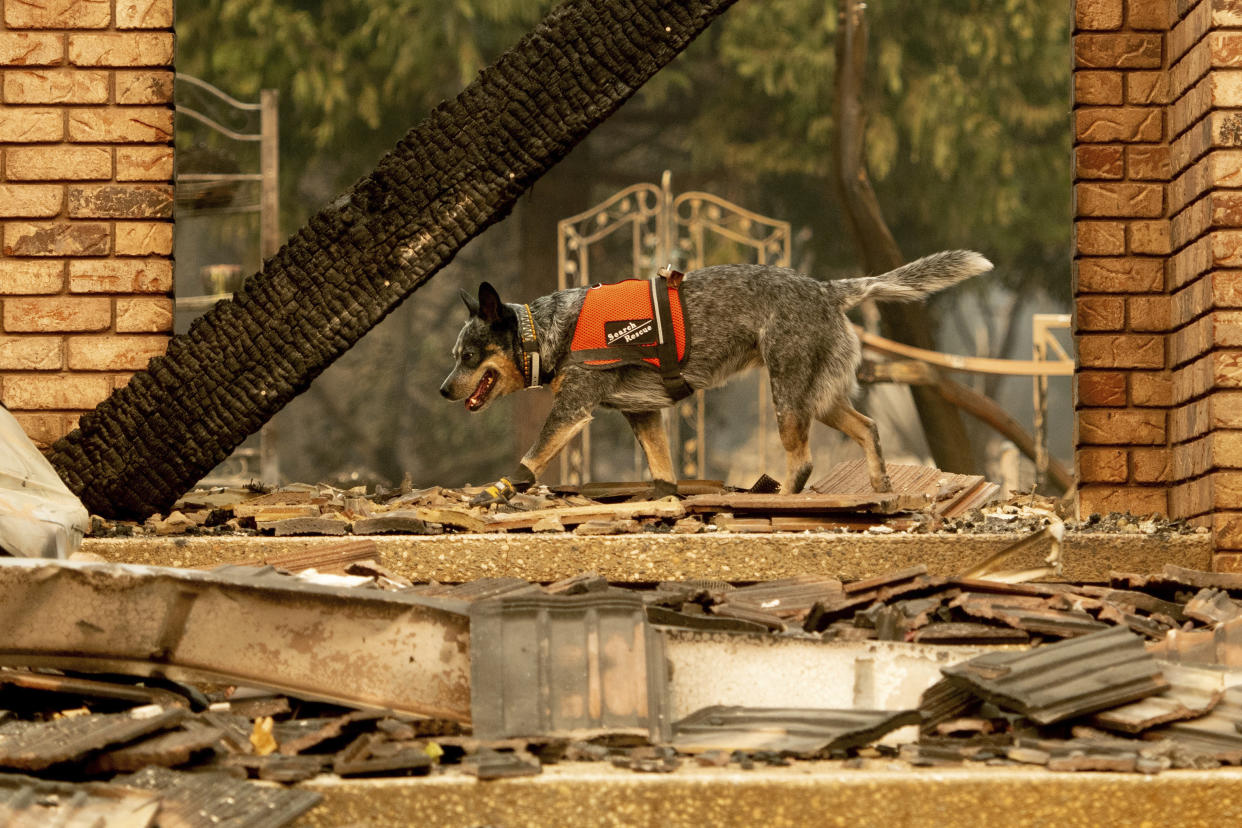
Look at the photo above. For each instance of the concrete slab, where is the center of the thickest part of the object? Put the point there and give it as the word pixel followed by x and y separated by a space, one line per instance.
pixel 1087 556
pixel 806 793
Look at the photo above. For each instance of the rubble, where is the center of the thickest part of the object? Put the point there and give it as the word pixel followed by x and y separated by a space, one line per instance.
pixel 1066 677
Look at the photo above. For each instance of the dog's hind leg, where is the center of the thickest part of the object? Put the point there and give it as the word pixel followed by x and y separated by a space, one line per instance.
pixel 649 431
pixel 795 429
pixel 861 429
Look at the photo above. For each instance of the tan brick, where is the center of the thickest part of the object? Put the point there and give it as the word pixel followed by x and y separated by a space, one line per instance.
pixel 1121 199
pixel 143 238
pixel 1102 125
pixel 1227 561
pixel 1192 459
pixel 1190 263
pixel 1149 465
pixel 44 429
pixel 1227 527
pixel 1099 161
pixel 18 277
pixel 62 391
pixel 58 14
pixel 1148 163
pixel 1098 14
pixel 20 125
pixel 1226 88
pixel 1117 51
pixel 1120 351
pixel 49 86
pixel 140 87
pixel 1097 88
pixel 114 353
pixel 1147 88
pixel 1134 500
pixel 1102 465
pixel 1227 449
pixel 121 49
pixel 122 379
pixel 121 201
pixel 1151 389
pixel 1148 14
pixel 1100 313
pixel 1100 388
pixel 31 49
pixel 56 239
pixel 1100 238
pixel 145 125
pixel 1148 313
pixel 144 14
pixel 1193 380
pixel 1225 48
pixel 1190 420
pixel 1226 248
pixel 144 163
pixel 1132 275
pixel 1226 369
pixel 59 163
pixel 1150 237
pixel 1120 426
pixel 1188 31
pixel 31 200
pixel 1193 497
pixel 144 314
pixel 31 353
pixel 120 276
pixel 56 314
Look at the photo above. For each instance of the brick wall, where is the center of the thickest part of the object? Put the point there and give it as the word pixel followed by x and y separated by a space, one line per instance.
pixel 86 198
pixel 1158 261
pixel 1122 242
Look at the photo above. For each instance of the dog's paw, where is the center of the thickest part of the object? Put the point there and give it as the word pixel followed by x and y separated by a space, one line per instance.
pixel 883 484
pixel 499 492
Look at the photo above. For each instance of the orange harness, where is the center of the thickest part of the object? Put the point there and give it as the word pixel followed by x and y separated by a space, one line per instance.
pixel 629 323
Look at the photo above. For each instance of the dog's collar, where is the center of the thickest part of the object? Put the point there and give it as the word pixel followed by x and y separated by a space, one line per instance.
pixel 531 370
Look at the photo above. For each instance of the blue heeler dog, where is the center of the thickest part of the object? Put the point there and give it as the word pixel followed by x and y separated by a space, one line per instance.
pixel 739 316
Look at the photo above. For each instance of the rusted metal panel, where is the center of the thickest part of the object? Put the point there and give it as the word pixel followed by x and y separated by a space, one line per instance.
pixel 261 629
pixel 799 731
pixel 565 665
pixel 1070 678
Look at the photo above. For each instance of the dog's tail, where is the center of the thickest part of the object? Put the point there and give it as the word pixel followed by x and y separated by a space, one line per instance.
pixel 914 280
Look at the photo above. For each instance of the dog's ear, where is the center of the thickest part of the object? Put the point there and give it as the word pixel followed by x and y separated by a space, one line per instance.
pixel 472 305
pixel 490 307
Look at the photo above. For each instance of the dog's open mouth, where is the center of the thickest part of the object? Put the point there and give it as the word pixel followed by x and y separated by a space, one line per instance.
pixel 479 398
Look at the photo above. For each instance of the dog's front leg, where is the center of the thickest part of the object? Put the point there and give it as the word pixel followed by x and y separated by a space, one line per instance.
pixel 649 430
pixel 576 398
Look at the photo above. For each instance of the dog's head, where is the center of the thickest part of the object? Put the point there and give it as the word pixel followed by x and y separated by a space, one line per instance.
pixel 486 355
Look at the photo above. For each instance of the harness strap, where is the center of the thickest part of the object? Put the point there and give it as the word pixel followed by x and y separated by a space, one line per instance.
pixel 675 384
pixel 530 347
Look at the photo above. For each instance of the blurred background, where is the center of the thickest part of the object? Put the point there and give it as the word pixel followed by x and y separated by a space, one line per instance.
pixel 966 143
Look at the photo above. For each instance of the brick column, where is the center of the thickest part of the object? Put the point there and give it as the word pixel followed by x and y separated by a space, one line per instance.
pixel 1205 273
pixel 1122 241
pixel 85 202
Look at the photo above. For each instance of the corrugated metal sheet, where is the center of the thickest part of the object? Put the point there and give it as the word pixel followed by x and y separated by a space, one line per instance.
pixel 1215 734
pixel 218 800
pixel 565 665
pixel 38 745
pixel 1066 679
pixel 799 731
pixel 1192 692
pixel 33 803
pixel 951 495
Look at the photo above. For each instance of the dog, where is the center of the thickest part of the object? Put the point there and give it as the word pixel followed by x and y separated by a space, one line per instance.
pixel 740 316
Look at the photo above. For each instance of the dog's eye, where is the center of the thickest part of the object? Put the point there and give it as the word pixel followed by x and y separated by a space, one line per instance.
pixel 469 356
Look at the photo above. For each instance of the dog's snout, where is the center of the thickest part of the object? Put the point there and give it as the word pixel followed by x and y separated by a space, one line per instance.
pixel 444 390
